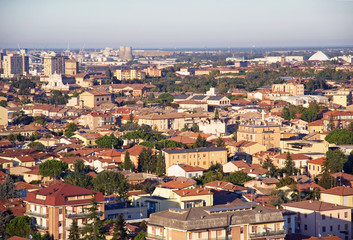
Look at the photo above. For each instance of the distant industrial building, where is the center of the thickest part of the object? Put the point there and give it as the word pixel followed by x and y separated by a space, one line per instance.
pixel 125 53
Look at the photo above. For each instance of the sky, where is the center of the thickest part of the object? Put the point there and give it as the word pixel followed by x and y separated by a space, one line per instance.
pixel 175 23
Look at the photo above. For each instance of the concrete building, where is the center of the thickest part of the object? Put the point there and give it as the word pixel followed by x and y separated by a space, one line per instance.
pixel 53 209
pixel 15 65
pixel 291 88
pixel 4 116
pixel 342 97
pixel 201 157
pixel 340 119
pixel 54 64
pixel 125 53
pixel 215 127
pixel 94 98
pixel 130 74
pixel 316 167
pixel 260 132
pixel 182 170
pixel 338 195
pixel 239 221
pixel 320 219
pixel 71 67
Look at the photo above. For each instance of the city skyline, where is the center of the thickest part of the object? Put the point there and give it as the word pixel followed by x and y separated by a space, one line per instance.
pixel 182 24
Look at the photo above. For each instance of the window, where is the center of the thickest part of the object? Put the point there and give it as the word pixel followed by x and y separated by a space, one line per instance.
pixel 97 99
pixel 289 219
pixel 219 232
pixel 346 226
pixel 323 229
pixel 338 215
pixel 330 215
pixel 338 227
pixel 305 215
pixel 323 217
pixel 200 234
pixel 346 215
pixel 331 228
pixel 190 235
pixel 305 227
pixel 241 230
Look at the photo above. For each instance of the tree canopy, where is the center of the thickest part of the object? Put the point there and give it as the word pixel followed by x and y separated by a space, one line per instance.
pixel 53 168
pixel 20 226
pixel 109 182
pixel 335 160
pixel 340 136
pixel 109 141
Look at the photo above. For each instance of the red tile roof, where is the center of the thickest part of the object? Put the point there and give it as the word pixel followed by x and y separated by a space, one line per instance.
pixel 192 192
pixel 318 161
pixel 176 184
pixel 294 156
pixel 341 191
pixel 57 195
pixel 188 168
pixel 224 186
pixel 315 205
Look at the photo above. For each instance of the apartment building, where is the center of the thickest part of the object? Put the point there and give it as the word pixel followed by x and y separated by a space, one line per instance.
pixel 95 120
pixel 230 221
pixel 290 88
pixel 316 166
pixel 54 64
pixel 260 132
pixel 341 195
pixel 175 121
pixel 340 119
pixel 201 157
pixel 320 219
pixel 53 209
pixel 129 74
pixel 94 98
pixel 153 72
pixel 15 65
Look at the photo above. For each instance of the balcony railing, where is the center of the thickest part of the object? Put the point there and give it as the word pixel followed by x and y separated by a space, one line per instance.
pixel 267 233
pixel 154 236
pixel 37 214
pixel 81 214
pixel 40 227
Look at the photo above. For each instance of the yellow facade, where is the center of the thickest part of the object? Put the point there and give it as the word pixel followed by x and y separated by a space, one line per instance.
pixel 337 199
pixel 292 89
pixel 94 98
pixel 267 135
pixel 3 116
pixel 196 157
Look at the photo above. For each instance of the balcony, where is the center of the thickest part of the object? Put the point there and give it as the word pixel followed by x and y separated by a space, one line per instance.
pixel 40 227
pixel 154 236
pixel 77 215
pixel 267 233
pixel 37 214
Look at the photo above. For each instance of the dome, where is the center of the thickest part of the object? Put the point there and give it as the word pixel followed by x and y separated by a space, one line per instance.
pixel 319 56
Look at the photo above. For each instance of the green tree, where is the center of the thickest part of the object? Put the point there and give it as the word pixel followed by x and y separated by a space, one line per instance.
pixel 235 131
pixel 335 160
pixel 340 137
pixel 71 128
pixel 74 233
pixel 127 165
pixel 272 170
pixel 309 115
pixel 147 161
pixel 160 165
pixel 108 182
pixel 119 231
pixel 279 197
pixel 327 181
pixel 216 114
pixel 238 177
pixel 220 142
pixel 5 218
pixel 53 168
pixel 8 188
pixel 141 236
pixel 79 179
pixel 200 142
pixel 286 114
pixel 289 167
pixel 37 146
pixel 20 226
pixel 165 98
pixel 285 182
pixel 94 228
pixel 109 141
pixel 194 128
pixel 80 167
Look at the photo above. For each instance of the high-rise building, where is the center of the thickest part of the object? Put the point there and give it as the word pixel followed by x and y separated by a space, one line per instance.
pixel 15 65
pixel 130 74
pixel 71 67
pixel 54 64
pixel 125 53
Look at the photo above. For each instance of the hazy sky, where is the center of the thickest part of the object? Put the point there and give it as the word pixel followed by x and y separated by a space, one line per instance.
pixel 175 23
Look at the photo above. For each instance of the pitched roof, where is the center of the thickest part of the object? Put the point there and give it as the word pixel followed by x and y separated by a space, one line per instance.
pixel 294 156
pixel 315 205
pixel 188 168
pixel 341 191
pixel 176 184
pixel 194 150
pixel 224 186
pixel 318 161
pixel 57 195
pixel 192 192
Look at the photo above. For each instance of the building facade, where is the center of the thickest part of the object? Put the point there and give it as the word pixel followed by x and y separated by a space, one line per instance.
pixel 15 65
pixel 54 64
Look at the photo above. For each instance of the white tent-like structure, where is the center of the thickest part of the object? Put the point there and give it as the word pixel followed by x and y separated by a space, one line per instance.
pixel 319 56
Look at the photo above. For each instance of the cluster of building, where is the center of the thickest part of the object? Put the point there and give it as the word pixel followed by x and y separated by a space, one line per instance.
pixel 239 131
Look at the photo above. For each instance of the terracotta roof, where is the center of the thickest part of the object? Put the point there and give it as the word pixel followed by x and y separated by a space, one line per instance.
pixel 341 191
pixel 188 168
pixel 309 187
pixel 176 184
pixel 26 159
pixel 57 195
pixel 224 186
pixel 319 122
pixel 318 161
pixel 294 156
pixel 25 186
pixel 344 176
pixel 323 238
pixel 135 150
pixel 183 139
pixel 239 164
pixel 192 192
pixel 315 205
